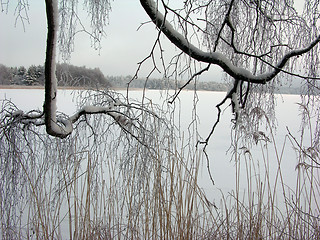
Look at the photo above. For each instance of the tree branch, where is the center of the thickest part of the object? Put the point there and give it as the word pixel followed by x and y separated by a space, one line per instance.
pixel 62 127
pixel 49 106
pixel 188 82
pixel 214 57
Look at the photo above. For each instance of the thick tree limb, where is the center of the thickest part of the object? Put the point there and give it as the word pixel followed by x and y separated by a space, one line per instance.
pixel 214 57
pixel 49 107
pixel 56 126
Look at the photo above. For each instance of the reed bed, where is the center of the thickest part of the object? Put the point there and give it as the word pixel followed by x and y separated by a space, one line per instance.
pixel 108 186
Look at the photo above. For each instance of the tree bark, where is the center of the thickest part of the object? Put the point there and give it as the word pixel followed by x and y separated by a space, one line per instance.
pixel 49 107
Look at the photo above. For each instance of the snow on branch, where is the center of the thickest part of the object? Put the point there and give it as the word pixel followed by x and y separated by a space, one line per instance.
pixel 129 116
pixel 50 107
pixel 215 57
pixel 124 113
pixel 62 126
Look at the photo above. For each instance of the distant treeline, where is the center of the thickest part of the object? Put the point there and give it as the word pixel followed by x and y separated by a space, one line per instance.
pixel 122 82
pixel 74 76
pixel 67 75
pixel 153 83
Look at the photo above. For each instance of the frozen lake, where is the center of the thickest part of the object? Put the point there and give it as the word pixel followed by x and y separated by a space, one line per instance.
pixel 257 166
pixel 222 168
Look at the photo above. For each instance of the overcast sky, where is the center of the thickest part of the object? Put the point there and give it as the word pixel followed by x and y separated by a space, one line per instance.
pixel 121 50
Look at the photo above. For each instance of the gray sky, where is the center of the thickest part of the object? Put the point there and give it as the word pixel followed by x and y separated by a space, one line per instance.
pixel 121 50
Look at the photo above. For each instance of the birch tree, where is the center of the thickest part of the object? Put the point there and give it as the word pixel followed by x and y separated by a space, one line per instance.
pixel 256 43
pixel 259 44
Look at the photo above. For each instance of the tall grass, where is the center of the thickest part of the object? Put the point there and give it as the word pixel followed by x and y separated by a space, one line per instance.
pixel 109 187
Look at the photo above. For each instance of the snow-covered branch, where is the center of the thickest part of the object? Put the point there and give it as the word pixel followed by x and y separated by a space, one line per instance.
pixel 215 57
pixel 50 107
pixel 62 126
pixel 119 117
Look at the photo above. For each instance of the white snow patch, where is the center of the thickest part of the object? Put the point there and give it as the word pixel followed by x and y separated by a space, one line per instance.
pixel 17 113
pixel 94 109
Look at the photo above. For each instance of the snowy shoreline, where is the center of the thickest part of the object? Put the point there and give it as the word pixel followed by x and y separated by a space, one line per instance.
pixel 59 87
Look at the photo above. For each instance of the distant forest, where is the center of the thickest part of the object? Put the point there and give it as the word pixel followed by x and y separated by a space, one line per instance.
pixel 74 76
pixel 67 75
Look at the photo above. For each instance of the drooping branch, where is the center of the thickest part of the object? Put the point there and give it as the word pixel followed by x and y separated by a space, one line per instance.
pixel 214 57
pixel 188 82
pixel 58 126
